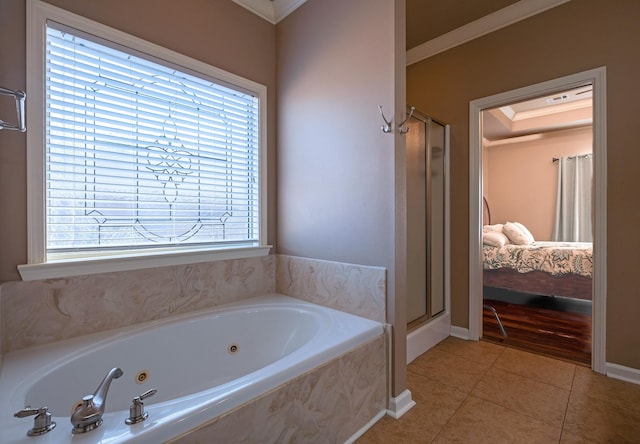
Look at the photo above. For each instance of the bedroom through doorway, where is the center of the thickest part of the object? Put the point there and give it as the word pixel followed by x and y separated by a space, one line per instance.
pixel 597 79
pixel 537 237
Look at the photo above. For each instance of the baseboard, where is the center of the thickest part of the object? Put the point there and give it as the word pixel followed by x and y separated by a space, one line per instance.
pixel 459 332
pixel 400 405
pixel 623 373
pixel 426 336
pixel 366 427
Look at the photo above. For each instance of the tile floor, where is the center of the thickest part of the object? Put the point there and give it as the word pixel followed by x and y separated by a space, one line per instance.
pixel 479 392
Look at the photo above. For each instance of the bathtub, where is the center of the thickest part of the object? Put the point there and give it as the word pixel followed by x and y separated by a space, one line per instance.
pixel 202 365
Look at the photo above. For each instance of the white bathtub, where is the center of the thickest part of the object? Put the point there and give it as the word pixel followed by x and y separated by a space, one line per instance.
pixel 189 360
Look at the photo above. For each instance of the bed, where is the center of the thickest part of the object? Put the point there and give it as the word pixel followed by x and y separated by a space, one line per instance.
pixel 542 268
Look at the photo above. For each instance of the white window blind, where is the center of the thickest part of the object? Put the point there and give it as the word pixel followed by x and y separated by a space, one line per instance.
pixel 142 154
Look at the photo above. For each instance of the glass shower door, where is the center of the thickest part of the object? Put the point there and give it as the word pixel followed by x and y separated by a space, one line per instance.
pixel 425 218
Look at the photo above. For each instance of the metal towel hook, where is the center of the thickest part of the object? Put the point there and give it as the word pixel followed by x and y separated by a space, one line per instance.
pixel 19 97
pixel 388 125
pixel 405 129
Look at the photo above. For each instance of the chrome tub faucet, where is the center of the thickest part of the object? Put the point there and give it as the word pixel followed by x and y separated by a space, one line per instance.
pixel 88 415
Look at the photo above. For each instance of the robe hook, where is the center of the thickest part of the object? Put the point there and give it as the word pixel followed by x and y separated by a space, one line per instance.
pixel 19 97
pixel 387 127
pixel 405 129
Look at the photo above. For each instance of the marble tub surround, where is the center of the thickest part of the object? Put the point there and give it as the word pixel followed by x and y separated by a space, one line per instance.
pixel 330 403
pixel 41 312
pixel 355 289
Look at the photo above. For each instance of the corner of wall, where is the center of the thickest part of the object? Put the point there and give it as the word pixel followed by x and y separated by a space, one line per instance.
pixel 355 289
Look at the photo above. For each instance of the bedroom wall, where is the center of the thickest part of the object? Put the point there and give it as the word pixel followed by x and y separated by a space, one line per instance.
pixel 521 178
pixel 574 37
pixel 199 29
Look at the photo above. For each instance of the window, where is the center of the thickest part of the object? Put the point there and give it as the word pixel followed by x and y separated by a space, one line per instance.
pixel 141 153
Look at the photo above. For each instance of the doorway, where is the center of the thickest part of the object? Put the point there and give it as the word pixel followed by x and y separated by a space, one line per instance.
pixel 595 78
pixel 537 292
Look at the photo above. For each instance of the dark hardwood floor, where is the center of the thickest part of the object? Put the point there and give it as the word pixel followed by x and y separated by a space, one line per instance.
pixel 552 326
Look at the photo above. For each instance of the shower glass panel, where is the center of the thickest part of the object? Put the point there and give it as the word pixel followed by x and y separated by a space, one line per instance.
pixel 425 218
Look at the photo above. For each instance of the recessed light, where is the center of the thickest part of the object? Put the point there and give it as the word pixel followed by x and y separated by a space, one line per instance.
pixel 557 98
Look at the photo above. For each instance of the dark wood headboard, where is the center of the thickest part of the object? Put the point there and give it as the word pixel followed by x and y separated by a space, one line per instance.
pixel 486 214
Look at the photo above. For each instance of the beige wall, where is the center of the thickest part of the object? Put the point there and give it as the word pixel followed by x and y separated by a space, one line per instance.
pixel 570 38
pixel 521 179
pixel 198 28
pixel 337 63
pixel 335 165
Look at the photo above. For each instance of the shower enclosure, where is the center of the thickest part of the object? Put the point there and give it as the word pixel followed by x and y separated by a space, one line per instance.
pixel 426 213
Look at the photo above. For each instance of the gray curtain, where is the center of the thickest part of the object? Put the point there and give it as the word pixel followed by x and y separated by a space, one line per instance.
pixel 573 205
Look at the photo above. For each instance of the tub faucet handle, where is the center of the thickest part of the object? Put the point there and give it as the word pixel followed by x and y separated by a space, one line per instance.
pixel 88 415
pixel 41 423
pixel 136 410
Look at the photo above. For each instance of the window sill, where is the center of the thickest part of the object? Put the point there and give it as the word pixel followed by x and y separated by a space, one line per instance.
pixel 83 266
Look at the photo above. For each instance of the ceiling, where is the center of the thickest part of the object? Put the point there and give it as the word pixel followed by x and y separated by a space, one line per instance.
pixel 271 10
pixel 426 19
pixel 563 110
pixel 429 21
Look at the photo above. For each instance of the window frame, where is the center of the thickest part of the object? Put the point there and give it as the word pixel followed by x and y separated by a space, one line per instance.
pixel 38 267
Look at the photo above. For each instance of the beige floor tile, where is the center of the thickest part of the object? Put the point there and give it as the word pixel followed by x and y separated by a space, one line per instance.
pixel 441 440
pixel 479 421
pixel 597 420
pixel 468 393
pixel 543 369
pixel 449 369
pixel 435 404
pixel 621 394
pixel 572 438
pixel 389 430
pixel 434 398
pixel 480 351
pixel 544 402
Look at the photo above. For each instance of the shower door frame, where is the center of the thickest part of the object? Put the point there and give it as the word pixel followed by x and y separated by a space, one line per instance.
pixel 429 330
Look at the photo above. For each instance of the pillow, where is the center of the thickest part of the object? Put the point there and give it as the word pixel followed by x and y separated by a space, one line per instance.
pixel 496 227
pixel 516 234
pixel 525 231
pixel 494 239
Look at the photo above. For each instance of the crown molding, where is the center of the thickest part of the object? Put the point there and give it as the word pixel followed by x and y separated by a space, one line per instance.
pixel 514 13
pixel 271 10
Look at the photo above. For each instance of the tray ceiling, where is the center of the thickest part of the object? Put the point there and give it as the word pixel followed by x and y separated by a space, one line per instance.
pixel 564 110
